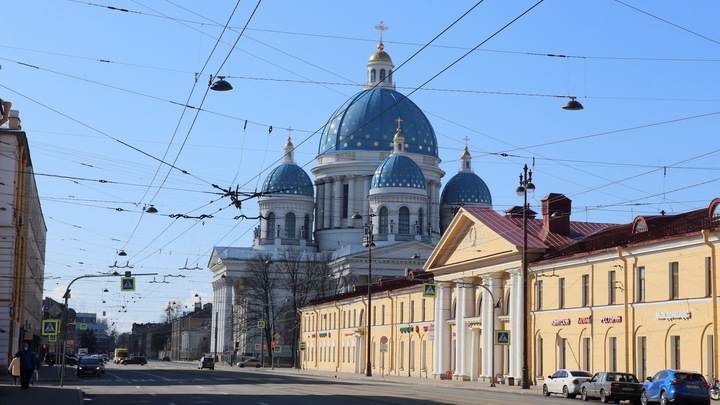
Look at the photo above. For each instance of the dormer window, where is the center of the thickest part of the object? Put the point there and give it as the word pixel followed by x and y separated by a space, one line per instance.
pixel 640 225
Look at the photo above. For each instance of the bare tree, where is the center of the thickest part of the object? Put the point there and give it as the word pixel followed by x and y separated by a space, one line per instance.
pixel 261 289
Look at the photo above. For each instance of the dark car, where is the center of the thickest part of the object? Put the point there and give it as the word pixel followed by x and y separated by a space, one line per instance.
pixel 70 360
pixel 206 362
pixel 612 386
pixel 676 386
pixel 166 358
pixel 134 360
pixel 90 365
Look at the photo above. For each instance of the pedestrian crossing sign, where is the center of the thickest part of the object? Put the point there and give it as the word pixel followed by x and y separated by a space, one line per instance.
pixel 50 326
pixel 502 337
pixel 430 290
pixel 277 349
pixel 52 338
pixel 243 331
pixel 83 326
pixel 261 325
pixel 257 347
pixel 127 284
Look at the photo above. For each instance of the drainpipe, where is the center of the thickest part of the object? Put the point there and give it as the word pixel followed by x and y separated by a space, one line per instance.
pixel 713 292
pixel 316 345
pixel 338 338
pixel 392 333
pixel 626 308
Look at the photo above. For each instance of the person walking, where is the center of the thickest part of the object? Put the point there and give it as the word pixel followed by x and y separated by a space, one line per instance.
pixel 14 369
pixel 28 364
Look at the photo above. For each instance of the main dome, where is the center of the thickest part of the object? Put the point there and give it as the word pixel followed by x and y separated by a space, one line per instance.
pixel 368 121
pixel 398 171
pixel 288 178
pixel 466 188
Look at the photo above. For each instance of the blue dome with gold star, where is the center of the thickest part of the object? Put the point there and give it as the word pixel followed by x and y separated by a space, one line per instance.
pixel 398 171
pixel 368 121
pixel 288 178
pixel 466 188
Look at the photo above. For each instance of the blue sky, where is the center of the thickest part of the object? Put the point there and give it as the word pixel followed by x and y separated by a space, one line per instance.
pixel 101 92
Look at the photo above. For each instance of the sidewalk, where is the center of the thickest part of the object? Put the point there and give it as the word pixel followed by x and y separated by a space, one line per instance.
pixel 395 379
pixel 45 391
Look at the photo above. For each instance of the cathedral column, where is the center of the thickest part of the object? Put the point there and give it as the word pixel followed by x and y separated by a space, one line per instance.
pixel 337 202
pixel 325 203
pixel 443 341
pixel 222 302
pixel 319 195
pixel 351 200
pixel 365 199
pixel 465 301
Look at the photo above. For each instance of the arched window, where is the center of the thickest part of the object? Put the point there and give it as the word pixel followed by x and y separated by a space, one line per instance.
pixel 383 228
pixel 361 320
pixel 270 229
pixel 404 221
pixel 290 225
pixel 389 76
pixel 307 228
pixel 382 74
pixel 372 76
pixel 421 221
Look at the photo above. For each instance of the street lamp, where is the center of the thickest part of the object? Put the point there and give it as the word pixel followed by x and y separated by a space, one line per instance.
pixel 526 186
pixel 369 245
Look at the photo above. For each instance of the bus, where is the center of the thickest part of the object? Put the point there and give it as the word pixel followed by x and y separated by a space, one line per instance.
pixel 120 355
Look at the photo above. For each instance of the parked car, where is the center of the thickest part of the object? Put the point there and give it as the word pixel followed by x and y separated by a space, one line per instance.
pixel 134 360
pixel 677 386
pixel 166 358
pixel 206 362
pixel 105 358
pixel 612 386
pixel 90 365
pixel 251 362
pixel 565 382
pixel 70 360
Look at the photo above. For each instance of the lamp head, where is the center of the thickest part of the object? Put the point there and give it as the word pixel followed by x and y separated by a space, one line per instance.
pixel 572 105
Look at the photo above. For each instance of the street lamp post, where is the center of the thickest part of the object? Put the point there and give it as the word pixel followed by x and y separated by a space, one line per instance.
pixel 526 186
pixel 369 245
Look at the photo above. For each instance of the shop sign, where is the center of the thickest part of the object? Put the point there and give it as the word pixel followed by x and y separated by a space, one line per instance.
pixel 585 321
pixel 561 322
pixel 611 319
pixel 673 315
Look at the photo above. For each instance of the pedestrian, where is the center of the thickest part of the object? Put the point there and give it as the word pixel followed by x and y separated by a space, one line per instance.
pixel 28 364
pixel 14 369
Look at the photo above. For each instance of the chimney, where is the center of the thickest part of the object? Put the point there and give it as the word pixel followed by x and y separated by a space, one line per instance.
pixel 517 212
pixel 14 119
pixel 556 210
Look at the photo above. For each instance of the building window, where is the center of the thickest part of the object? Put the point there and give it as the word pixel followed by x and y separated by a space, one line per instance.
pixel 383 229
pixel 402 354
pixel 373 75
pixel 586 354
pixel 411 315
pixel 539 362
pixel 538 295
pixel 401 312
pixel 290 225
pixel 640 284
pixel 612 353
pixel 708 276
pixel 404 221
pixel 422 310
pixel 585 290
pixel 420 222
pixel 412 355
pixel 345 200
pixel 270 229
pixel 642 356
pixel 674 281
pixel 382 316
pixel 382 74
pixel 611 289
pixel 423 355
pixel 374 316
pixel 561 293
pixel 675 352
pixel 562 343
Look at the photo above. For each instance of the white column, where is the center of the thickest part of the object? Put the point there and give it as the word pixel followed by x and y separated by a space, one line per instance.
pixel 465 302
pixel 319 193
pixel 351 200
pixel 443 341
pixel 337 202
pixel 516 317
pixel 364 196
pixel 325 203
pixel 475 354
pixel 436 207
pixel 495 286
pixel 487 332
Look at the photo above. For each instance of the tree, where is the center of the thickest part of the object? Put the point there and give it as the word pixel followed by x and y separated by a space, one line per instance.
pixel 261 288
pixel 88 340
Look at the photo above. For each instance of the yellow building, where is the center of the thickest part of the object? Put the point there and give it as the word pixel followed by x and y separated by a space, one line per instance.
pixel 334 330
pixel 636 297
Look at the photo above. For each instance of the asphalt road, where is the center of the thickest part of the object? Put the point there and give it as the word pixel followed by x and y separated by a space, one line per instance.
pixel 175 383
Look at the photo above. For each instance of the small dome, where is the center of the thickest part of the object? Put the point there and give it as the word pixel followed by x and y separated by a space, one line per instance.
pixel 366 122
pixel 288 178
pixel 398 171
pixel 380 56
pixel 466 188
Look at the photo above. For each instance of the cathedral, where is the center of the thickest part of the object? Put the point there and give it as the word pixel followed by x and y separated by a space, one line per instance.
pixel 377 181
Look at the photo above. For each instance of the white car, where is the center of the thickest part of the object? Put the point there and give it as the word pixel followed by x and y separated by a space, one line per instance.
pixel 565 382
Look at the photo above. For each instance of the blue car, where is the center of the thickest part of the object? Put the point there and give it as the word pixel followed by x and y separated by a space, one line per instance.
pixel 674 387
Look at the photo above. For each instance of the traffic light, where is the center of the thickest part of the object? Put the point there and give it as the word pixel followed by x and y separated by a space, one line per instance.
pixel 44 346
pixel 72 342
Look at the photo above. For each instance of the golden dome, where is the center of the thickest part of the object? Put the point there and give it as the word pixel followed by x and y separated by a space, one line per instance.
pixel 289 144
pixel 465 154
pixel 380 55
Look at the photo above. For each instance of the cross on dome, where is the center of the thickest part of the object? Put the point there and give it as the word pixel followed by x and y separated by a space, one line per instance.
pixel 381 28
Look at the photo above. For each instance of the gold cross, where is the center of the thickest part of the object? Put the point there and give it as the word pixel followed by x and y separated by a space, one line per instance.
pixel 381 28
pixel 399 120
pixel 466 139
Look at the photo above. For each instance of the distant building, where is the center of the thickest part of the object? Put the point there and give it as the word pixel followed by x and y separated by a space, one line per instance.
pixel 22 240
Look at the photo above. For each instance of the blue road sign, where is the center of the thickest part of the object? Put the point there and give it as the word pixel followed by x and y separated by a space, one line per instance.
pixel 50 326
pixel 502 337
pixel 127 284
pixel 430 290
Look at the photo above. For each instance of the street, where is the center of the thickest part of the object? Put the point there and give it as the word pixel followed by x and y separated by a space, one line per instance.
pixel 179 383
